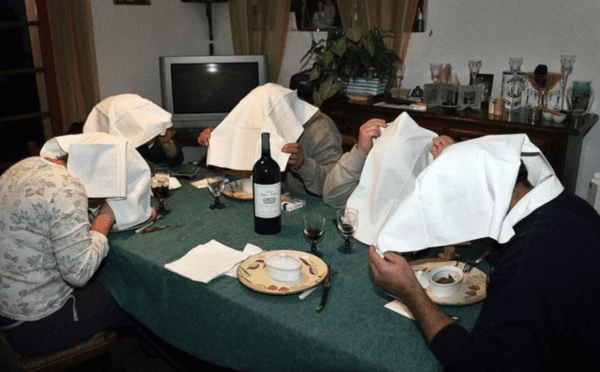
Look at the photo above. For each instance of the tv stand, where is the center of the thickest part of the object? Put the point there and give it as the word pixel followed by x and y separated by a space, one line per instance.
pixel 559 142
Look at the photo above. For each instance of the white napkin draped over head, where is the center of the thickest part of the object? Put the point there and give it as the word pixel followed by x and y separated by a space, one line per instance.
pixel 109 167
pixel 392 166
pixel 129 116
pixel 466 192
pixel 235 143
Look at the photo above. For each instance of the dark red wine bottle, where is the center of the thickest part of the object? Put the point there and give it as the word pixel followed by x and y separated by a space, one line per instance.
pixel 266 187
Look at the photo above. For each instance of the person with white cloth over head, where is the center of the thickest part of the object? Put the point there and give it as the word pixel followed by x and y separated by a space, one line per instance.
pixel 543 295
pixel 49 249
pixel 146 125
pixel 304 142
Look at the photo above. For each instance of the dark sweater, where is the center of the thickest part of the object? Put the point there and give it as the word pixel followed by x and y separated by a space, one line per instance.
pixel 542 309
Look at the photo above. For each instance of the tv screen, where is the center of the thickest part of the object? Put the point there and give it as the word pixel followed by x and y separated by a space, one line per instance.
pixel 200 91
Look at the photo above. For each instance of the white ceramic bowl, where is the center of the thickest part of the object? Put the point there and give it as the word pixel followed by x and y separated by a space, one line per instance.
pixel 282 267
pixel 247 185
pixel 445 290
pixel 547 115
pixel 559 118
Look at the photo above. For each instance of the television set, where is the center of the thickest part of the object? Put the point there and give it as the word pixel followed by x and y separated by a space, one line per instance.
pixel 200 91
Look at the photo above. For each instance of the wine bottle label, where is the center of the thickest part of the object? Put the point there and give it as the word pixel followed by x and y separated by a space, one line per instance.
pixel 267 200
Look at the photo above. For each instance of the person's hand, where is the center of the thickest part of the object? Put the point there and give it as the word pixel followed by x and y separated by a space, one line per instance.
pixel 393 273
pixel 439 144
pixel 367 132
pixel 204 136
pixel 104 220
pixel 167 137
pixel 296 159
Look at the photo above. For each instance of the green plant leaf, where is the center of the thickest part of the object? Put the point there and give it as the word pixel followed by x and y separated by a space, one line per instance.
pixel 339 46
pixel 354 33
pixel 314 73
pixel 368 44
pixel 327 58
pixel 318 101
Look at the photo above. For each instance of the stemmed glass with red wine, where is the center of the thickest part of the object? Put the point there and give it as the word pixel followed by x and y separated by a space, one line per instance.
pixel 160 186
pixel 314 227
pixel 347 221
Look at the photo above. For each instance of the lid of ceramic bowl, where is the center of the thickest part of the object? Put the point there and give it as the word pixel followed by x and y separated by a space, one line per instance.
pixel 282 261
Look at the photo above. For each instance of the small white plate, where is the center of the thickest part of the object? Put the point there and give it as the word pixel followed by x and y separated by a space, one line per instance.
pixel 235 190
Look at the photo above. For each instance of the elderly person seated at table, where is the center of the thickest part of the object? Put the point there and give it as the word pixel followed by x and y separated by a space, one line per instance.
pixel 49 249
pixel 304 141
pixel 146 125
pixel 543 295
pixel 345 176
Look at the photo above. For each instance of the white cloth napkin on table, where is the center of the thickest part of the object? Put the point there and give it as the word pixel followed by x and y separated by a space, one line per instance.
pixel 466 192
pixel 109 167
pixel 130 116
pixel 207 262
pixel 389 173
pixel 236 141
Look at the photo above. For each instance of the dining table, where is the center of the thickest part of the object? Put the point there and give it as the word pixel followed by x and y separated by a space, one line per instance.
pixel 231 325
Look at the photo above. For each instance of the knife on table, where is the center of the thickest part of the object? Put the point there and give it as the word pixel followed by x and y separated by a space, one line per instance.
pixel 326 287
pixel 160 227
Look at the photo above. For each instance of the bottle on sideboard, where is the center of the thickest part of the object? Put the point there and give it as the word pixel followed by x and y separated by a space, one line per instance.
pixel 266 185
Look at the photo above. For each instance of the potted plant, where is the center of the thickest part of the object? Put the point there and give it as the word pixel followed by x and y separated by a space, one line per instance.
pixel 348 54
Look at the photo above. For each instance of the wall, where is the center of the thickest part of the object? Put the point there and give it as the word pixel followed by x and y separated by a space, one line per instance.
pixel 456 31
pixel 131 38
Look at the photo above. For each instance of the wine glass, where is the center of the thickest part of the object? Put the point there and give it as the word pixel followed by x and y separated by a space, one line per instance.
pixel 160 186
pixel 347 221
pixel 566 68
pixel 435 68
pixel 216 183
pixel 474 67
pixel 314 227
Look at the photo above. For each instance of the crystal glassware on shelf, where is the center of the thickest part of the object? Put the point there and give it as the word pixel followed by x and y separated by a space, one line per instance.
pixel 160 186
pixel 435 68
pixel 566 68
pixel 474 67
pixel 216 183
pixel 515 64
pixel 400 75
pixel 543 84
pixel 347 221
pixel 314 227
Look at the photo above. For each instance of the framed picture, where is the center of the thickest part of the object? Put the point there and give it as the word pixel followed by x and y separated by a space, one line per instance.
pixel 433 94
pixel 488 81
pixel 449 95
pixel 132 2
pixel 470 96
pixel 316 14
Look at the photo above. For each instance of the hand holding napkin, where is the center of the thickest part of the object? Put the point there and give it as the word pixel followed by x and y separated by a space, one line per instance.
pixel 235 143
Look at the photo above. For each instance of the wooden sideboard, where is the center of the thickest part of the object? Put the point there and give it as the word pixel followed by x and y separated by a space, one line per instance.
pixel 560 142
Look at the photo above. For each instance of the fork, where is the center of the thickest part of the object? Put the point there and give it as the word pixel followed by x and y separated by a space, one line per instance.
pixel 471 264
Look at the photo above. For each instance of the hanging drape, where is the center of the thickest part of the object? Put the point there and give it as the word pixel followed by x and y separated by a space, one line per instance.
pixel 394 18
pixel 260 27
pixel 72 35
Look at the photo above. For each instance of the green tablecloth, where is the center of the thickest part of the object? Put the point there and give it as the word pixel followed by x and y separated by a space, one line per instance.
pixel 230 325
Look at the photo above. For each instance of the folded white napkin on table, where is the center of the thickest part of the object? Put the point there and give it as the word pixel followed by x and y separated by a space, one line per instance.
pixel 236 141
pixel 466 192
pixel 389 173
pixel 109 167
pixel 203 183
pixel 130 116
pixel 207 261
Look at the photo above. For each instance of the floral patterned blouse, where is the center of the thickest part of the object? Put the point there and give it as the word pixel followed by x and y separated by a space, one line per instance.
pixel 46 245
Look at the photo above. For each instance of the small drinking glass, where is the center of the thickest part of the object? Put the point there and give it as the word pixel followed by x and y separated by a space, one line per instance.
pixel 515 64
pixel 347 221
pixel 474 67
pixel 216 184
pixel 160 186
pixel 314 227
pixel 435 68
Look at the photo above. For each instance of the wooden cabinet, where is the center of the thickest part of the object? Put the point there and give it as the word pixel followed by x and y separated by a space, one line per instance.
pixel 559 142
